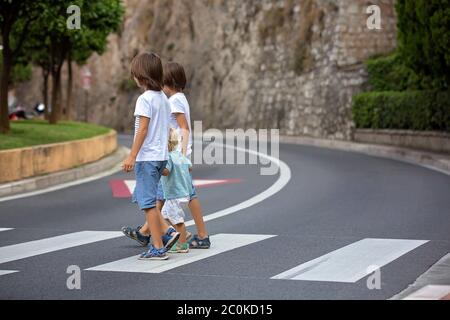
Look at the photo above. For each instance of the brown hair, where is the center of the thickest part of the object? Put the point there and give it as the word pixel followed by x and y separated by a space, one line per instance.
pixel 174 76
pixel 173 139
pixel 147 69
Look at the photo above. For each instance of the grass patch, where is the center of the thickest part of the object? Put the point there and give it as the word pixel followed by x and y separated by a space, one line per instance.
pixel 36 132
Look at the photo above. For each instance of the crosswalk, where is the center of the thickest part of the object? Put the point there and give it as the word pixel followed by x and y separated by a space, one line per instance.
pixel 353 262
pixel 348 264
pixel 38 247
pixel 222 243
pixel 5 272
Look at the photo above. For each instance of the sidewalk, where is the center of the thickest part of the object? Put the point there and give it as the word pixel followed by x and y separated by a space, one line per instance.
pixel 436 161
pixel 58 180
pixel 432 285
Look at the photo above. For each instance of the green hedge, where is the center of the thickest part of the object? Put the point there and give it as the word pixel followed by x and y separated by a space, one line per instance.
pixel 409 110
pixel 424 38
pixel 389 73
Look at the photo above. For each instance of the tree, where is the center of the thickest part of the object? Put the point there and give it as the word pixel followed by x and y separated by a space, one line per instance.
pixel 15 18
pixel 20 71
pixel 59 44
pixel 99 19
pixel 424 38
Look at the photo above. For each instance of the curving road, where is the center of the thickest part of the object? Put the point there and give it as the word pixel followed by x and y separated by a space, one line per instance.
pixel 339 212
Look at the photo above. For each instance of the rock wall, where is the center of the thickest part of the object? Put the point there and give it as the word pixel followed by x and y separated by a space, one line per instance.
pixel 287 64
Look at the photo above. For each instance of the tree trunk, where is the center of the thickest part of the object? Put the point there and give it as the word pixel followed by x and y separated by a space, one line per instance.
pixel 5 77
pixel 45 74
pixel 55 115
pixel 69 109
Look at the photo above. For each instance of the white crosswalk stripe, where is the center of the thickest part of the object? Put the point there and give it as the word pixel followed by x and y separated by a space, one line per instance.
pixel 38 247
pixel 5 272
pixel 220 243
pixel 353 262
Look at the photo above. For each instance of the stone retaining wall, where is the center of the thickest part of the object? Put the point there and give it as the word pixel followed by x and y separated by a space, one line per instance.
pixel 17 164
pixel 431 141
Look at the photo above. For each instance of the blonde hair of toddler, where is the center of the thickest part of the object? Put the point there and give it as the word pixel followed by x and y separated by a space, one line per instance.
pixel 173 139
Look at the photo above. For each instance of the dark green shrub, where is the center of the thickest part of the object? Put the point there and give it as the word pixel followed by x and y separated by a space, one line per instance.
pixel 424 38
pixel 390 74
pixel 409 110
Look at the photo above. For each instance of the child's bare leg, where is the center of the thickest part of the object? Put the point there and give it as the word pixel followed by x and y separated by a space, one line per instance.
pixel 153 221
pixel 181 228
pixel 196 211
pixel 159 204
pixel 145 230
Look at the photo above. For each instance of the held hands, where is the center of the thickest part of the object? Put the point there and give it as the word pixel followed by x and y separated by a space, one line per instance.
pixel 128 164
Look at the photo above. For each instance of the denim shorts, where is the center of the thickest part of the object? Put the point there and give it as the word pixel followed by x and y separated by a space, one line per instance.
pixel 160 192
pixel 148 175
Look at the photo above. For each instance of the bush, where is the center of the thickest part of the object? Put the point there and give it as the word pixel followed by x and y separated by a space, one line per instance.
pixel 390 74
pixel 424 38
pixel 409 110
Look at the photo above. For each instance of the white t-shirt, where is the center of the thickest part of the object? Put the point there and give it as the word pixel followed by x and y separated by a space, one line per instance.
pixel 179 104
pixel 155 106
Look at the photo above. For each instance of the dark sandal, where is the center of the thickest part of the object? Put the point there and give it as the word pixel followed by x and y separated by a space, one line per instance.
pixel 197 243
pixel 134 234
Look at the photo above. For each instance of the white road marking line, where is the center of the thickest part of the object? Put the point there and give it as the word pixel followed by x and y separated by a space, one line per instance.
pixel 131 185
pixel 107 173
pixel 5 272
pixel 201 182
pixel 351 263
pixel 283 180
pixel 430 292
pixel 220 243
pixel 38 247
pixel 5 229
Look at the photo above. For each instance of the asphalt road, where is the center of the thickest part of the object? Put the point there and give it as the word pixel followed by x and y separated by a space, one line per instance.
pixel 333 200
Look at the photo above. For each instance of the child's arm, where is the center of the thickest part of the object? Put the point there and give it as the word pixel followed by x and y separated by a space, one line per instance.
pixel 128 164
pixel 168 167
pixel 185 132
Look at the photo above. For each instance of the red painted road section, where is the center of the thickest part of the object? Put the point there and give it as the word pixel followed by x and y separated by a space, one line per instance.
pixel 121 190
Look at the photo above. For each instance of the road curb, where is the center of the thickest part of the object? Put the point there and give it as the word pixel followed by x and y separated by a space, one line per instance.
pixel 54 179
pixel 34 161
pixel 436 161
pixel 438 276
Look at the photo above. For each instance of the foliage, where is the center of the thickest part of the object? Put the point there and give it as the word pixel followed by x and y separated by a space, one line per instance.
pixel 412 110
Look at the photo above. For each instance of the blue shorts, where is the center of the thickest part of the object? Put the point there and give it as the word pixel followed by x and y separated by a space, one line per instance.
pixel 160 192
pixel 148 175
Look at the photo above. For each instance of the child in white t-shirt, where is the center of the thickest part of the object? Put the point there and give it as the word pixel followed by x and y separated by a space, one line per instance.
pixel 149 154
pixel 174 84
